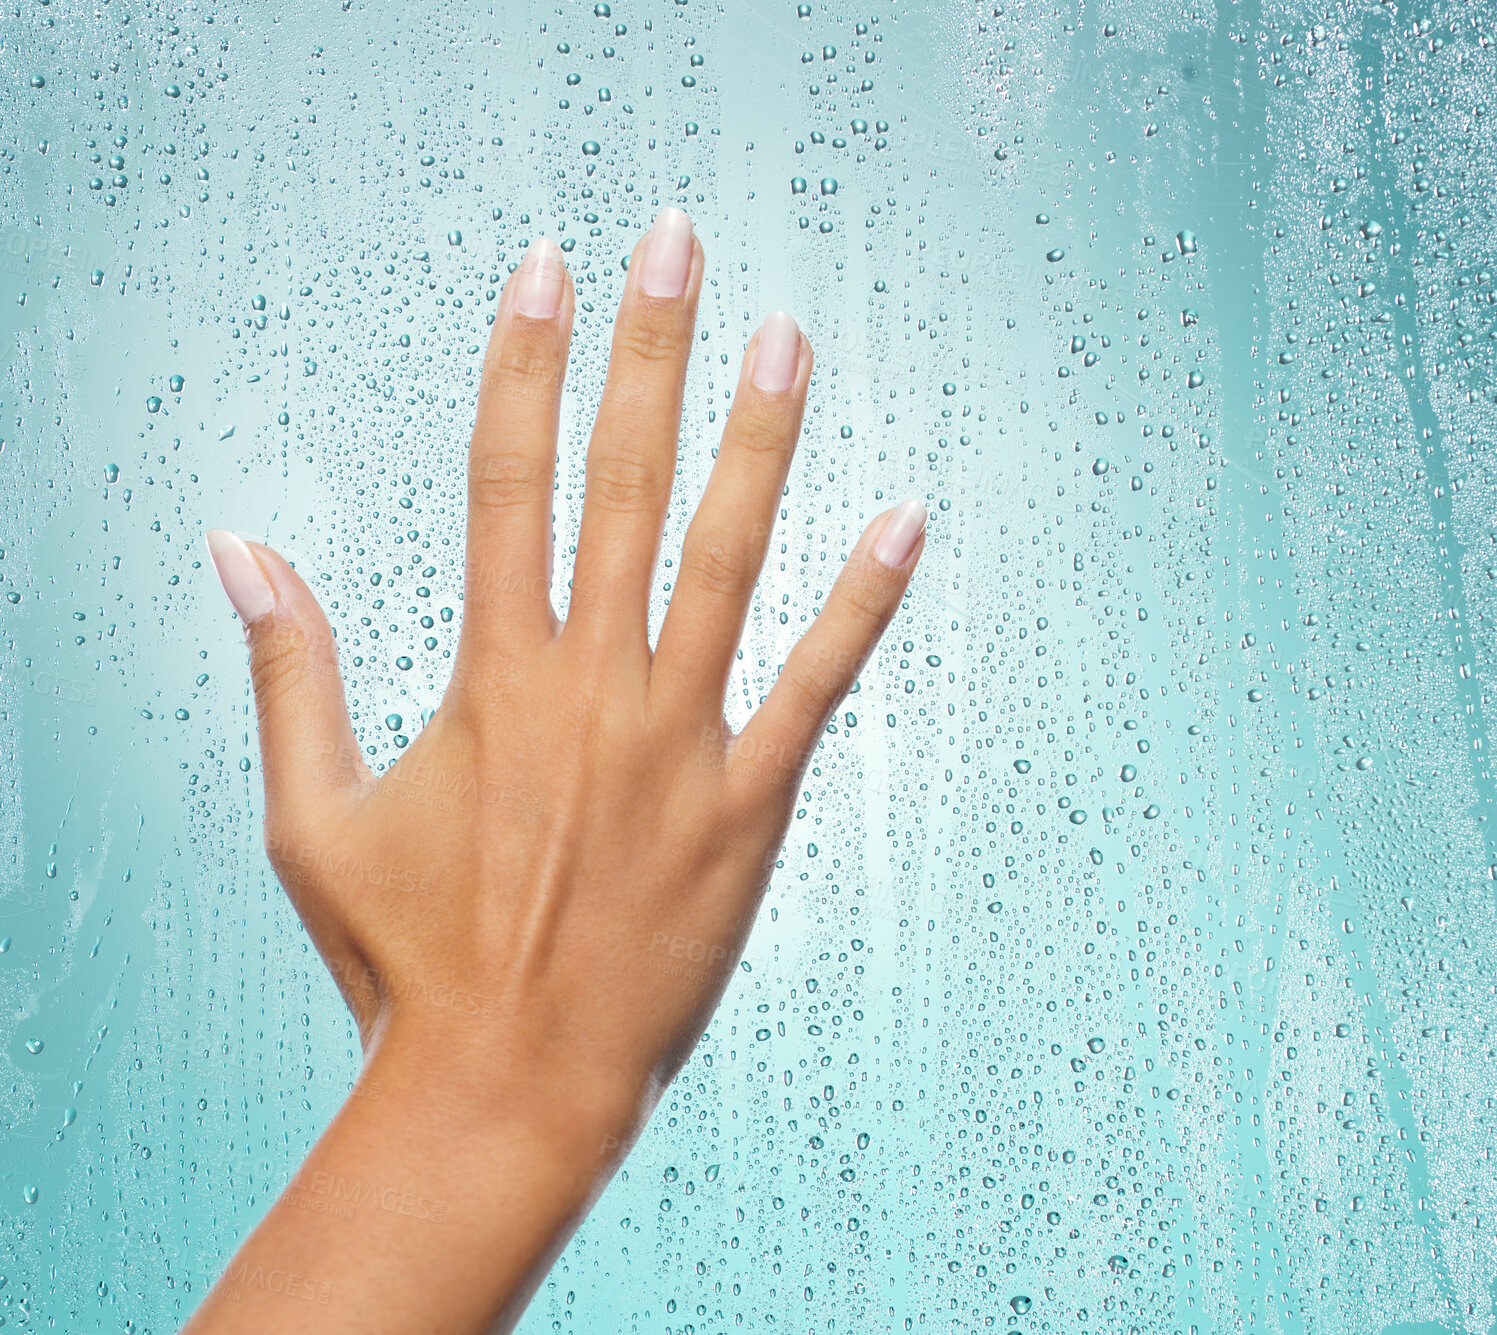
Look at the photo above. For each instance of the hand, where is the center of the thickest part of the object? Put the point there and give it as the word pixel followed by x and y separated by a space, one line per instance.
pixel 534 912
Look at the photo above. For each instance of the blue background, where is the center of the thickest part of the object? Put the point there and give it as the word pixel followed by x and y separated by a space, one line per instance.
pixel 1130 967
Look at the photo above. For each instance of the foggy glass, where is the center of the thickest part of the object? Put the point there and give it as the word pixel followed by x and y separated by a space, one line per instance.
pixel 1130 964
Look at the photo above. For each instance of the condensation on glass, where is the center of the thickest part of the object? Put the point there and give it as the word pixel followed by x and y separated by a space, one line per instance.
pixel 1130 963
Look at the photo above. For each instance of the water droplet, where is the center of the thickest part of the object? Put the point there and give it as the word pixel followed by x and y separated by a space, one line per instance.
pixel 1055 256
pixel 176 383
pixel 454 237
pixel 1185 240
pixel 153 404
pixel 591 148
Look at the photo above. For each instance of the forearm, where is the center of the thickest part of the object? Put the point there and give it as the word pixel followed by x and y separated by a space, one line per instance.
pixel 430 1203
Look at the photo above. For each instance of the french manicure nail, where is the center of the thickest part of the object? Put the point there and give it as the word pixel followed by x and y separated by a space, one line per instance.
pixel 901 533
pixel 240 574
pixel 777 358
pixel 666 264
pixel 540 280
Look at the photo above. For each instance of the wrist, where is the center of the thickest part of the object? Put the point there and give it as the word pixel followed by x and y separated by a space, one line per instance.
pixel 445 1163
pixel 580 1122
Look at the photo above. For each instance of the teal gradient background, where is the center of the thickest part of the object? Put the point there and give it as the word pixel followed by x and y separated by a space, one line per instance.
pixel 1131 962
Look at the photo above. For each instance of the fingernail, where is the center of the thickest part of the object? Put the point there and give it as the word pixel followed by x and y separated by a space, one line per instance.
pixel 901 533
pixel 240 574
pixel 777 358
pixel 666 264
pixel 540 280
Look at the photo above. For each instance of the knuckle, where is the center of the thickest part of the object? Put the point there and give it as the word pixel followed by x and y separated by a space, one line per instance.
pixel 718 565
pixel 279 661
pixel 623 482
pixel 480 685
pixel 505 479
pixel 762 429
pixel 757 764
pixel 650 337
pixel 817 683
pixel 338 765
pixel 863 595
pixel 522 369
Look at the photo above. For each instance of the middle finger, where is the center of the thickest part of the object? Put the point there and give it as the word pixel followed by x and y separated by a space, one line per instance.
pixel 631 458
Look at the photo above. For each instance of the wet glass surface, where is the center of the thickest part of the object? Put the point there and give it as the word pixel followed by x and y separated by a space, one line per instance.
pixel 1130 964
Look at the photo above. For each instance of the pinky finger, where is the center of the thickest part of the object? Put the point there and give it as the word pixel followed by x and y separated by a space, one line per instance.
pixel 774 747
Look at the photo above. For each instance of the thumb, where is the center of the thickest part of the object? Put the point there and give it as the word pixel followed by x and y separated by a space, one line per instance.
pixel 307 745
